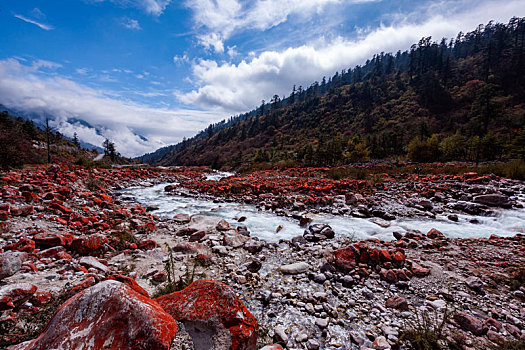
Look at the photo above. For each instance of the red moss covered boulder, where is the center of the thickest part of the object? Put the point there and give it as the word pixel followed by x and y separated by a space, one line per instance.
pixel 109 315
pixel 213 316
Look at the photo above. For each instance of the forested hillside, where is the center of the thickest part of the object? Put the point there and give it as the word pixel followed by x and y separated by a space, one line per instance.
pixel 452 99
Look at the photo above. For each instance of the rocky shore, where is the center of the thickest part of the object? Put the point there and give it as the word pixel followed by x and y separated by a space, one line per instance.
pixel 83 265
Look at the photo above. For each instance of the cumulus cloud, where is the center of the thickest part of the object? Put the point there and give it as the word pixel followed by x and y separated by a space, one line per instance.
pixel 239 87
pixel 220 19
pixel 131 24
pixel 32 21
pixel 24 87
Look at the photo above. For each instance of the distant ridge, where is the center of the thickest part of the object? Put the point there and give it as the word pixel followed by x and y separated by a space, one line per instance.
pixel 459 99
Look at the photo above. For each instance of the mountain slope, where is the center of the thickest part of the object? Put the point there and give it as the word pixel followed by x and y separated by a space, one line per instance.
pixel 462 99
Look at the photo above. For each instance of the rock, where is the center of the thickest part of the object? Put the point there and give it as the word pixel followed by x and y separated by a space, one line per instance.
pixel 90 261
pixel 18 292
pixel 469 323
pixel 397 302
pixel 130 282
pixel 88 244
pixel 254 246
pixel 182 218
pixel 254 266
pixel 235 240
pixel 321 322
pixel 419 270
pixel 493 200
pixel 197 236
pixel 381 343
pixel 345 258
pixel 109 315
pixel 53 239
pixel 272 347
pixel 213 316
pixel 312 344
pixel 294 269
pixel 10 263
pixel 496 338
pixel 223 225
pixel 474 283
pixel 453 217
pixel 23 245
pixel 318 232
pixel 147 244
pixel 435 234
pixel 280 335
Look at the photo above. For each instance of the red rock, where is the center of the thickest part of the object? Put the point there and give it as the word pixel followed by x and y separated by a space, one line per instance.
pixel 109 315
pixel 88 244
pixel 223 225
pixel 53 239
pixel 4 215
pixel 384 255
pixel 211 309
pixel 398 258
pixel 469 323
pixel 373 254
pixel 23 245
pixel 6 303
pixel 345 258
pixel 85 283
pixel 390 276
pixel 160 276
pixel 147 244
pixel 397 302
pixel 51 252
pixel 19 292
pixel 182 218
pixel 27 210
pixel 130 282
pixel 435 234
pixel 40 298
pixel 419 270
pixel 61 208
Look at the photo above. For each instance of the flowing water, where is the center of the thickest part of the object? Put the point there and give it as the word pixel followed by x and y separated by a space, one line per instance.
pixel 265 224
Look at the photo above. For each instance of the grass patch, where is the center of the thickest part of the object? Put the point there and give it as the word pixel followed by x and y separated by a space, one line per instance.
pixel 426 331
pixel 175 284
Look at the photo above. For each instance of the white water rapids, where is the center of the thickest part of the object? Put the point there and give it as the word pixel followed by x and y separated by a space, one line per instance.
pixel 264 224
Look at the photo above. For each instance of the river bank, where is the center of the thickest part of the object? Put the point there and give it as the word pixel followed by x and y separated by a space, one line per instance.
pixel 320 289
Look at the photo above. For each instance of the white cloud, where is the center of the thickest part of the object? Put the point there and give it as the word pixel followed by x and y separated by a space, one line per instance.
pixel 152 7
pixel 220 19
pixel 181 59
pixel 32 21
pixel 131 24
pixel 23 87
pixel 239 87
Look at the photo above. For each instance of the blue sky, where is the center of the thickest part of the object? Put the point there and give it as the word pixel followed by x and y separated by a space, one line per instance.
pixel 146 73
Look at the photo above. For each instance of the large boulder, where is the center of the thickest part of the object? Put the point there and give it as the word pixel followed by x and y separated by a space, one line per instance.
pixel 109 315
pixel 213 316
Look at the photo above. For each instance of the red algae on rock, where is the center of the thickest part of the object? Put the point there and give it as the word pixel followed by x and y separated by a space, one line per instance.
pixel 109 315
pixel 213 316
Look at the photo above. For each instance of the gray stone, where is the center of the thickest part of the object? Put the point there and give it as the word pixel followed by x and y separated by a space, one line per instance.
pixel 294 269
pixel 90 261
pixel 11 263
